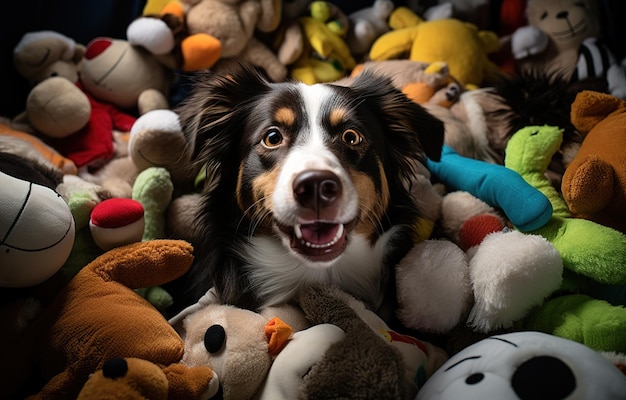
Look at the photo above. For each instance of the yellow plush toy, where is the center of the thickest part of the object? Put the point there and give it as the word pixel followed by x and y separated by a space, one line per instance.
pixel 326 57
pixel 461 45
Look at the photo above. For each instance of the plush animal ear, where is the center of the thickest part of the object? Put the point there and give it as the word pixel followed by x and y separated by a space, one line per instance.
pixel 412 130
pixel 590 107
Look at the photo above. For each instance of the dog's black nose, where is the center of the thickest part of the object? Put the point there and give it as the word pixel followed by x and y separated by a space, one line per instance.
pixel 316 189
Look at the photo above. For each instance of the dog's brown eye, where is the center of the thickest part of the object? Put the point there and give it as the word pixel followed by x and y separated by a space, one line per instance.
pixel 351 137
pixel 272 138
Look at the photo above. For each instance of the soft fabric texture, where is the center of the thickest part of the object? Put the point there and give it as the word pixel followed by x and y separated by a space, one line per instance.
pixel 594 183
pixel 498 186
pixel 97 316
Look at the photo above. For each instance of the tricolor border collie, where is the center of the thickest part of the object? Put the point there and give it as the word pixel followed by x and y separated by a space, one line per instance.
pixel 305 184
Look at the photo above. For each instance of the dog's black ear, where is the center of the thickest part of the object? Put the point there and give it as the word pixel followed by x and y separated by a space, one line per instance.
pixel 212 116
pixel 412 131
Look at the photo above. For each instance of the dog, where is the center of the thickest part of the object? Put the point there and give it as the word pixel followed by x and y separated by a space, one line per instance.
pixel 304 184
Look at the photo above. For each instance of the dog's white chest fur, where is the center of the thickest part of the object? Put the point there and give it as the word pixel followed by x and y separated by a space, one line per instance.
pixel 278 275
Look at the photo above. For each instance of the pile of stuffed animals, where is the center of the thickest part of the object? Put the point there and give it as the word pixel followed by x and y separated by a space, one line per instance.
pixel 521 285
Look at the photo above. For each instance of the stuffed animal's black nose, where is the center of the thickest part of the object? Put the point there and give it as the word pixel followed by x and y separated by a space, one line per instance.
pixel 316 189
pixel 543 377
pixel 114 368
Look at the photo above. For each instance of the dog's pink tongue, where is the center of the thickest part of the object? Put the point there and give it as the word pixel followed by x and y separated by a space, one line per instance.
pixel 319 233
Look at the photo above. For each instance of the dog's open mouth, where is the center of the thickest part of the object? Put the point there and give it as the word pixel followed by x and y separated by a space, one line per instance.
pixel 318 241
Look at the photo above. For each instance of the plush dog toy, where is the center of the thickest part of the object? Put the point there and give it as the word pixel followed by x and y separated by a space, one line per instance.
pixel 526 365
pixel 96 317
pixel 594 182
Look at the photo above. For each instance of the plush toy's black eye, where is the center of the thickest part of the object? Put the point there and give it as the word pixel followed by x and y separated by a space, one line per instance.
pixel 351 137
pixel 214 338
pixel 272 138
pixel 544 15
pixel 474 378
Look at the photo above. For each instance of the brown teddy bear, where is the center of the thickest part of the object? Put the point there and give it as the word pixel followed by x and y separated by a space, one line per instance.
pixel 126 378
pixel 594 182
pixel 96 317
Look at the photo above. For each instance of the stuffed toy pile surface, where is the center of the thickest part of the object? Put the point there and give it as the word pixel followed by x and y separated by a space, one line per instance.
pixel 522 290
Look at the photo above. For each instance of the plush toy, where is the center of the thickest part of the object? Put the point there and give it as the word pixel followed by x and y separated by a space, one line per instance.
pixel 362 364
pixel 325 57
pixel 92 145
pixel 238 344
pixel 116 222
pixel 126 378
pixel 105 73
pixel 156 140
pixel 485 181
pixel 330 14
pixel 40 55
pixel 163 32
pixel 73 121
pixel 20 139
pixel 366 25
pixel 480 272
pixel 153 189
pixel 459 44
pixel 563 37
pixel 586 247
pixel 590 252
pixel 234 24
pixel 424 83
pixel 526 365
pixel 594 183
pixel 510 272
pixel 476 12
pixel 36 223
pixel 96 317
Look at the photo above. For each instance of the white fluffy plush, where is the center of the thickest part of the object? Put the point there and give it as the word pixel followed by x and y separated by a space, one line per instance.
pixel 511 272
pixel 434 289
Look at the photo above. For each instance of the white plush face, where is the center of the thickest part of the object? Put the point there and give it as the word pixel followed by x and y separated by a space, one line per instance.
pixel 525 365
pixel 36 232
pixel 116 72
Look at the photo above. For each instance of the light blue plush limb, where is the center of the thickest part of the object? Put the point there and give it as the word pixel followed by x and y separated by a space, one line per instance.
pixel 526 207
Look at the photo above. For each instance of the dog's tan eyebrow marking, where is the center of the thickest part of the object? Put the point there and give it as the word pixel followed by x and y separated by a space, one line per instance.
pixel 285 116
pixel 337 116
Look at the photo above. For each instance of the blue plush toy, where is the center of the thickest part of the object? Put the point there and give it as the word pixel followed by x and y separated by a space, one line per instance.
pixel 526 207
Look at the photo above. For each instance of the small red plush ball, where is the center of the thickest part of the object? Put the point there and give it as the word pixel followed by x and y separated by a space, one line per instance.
pixel 116 222
pixel 476 228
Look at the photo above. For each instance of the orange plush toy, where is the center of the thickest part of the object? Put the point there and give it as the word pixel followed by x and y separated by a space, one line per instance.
pixel 96 317
pixel 594 183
